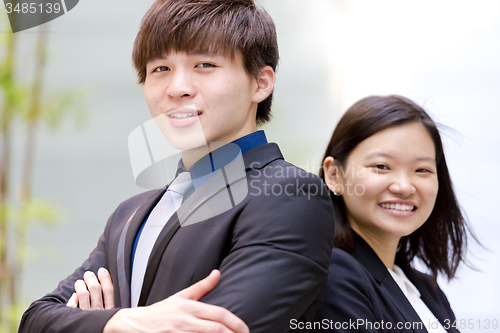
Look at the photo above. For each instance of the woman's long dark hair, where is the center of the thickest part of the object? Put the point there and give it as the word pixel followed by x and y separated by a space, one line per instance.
pixel 441 241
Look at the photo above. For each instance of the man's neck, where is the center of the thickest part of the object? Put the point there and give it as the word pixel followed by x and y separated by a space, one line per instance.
pixel 191 156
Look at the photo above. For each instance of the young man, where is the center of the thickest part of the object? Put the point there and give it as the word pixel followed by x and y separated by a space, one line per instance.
pixel 206 65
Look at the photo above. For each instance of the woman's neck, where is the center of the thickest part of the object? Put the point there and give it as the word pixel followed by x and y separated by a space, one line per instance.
pixel 384 247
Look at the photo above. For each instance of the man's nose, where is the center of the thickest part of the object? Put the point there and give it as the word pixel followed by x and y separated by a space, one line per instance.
pixel 180 85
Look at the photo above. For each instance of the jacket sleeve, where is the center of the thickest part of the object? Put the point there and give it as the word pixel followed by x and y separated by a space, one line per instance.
pixel 50 313
pixel 277 264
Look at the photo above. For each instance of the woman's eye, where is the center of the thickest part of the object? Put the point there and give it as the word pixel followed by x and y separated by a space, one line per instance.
pixel 380 167
pixel 205 65
pixel 161 69
pixel 423 170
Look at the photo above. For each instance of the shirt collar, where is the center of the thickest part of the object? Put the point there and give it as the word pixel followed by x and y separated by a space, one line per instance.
pixel 403 282
pixel 251 140
pixel 208 165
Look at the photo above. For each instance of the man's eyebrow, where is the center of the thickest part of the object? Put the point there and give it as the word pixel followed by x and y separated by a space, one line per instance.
pixel 389 156
pixel 159 57
pixel 193 53
pixel 205 53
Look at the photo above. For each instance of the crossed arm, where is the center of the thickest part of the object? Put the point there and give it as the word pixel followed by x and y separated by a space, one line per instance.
pixel 93 294
pixel 274 272
pixel 179 313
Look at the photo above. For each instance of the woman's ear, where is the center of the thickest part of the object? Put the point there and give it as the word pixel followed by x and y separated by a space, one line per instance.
pixel 332 175
pixel 265 84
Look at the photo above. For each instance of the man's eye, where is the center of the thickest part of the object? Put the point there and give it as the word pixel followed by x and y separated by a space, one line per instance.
pixel 161 69
pixel 380 167
pixel 205 65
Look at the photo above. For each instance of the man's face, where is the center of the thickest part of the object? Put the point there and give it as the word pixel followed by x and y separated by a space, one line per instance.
pixel 201 98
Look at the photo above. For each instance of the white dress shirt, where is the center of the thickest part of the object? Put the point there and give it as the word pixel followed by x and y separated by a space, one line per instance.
pixel 431 323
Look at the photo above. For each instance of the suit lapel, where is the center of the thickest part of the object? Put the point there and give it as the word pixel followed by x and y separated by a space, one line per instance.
pixel 401 302
pixel 369 259
pixel 125 244
pixel 428 297
pixel 255 158
pixel 187 215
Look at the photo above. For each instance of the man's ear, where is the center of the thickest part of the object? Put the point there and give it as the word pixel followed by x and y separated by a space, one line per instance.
pixel 332 175
pixel 265 84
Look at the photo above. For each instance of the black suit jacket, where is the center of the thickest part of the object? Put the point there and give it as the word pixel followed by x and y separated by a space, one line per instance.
pixel 361 287
pixel 272 249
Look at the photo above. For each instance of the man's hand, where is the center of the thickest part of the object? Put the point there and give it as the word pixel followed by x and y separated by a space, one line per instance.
pixel 179 313
pixel 93 294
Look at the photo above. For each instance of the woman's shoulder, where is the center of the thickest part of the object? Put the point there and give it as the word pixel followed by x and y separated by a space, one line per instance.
pixel 344 270
pixel 341 259
pixel 351 292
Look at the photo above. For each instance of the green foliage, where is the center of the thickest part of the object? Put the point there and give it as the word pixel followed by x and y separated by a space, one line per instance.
pixel 26 104
pixel 14 314
pixel 61 105
pixel 39 211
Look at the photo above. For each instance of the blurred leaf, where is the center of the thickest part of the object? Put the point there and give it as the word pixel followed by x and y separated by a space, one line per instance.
pixel 29 103
pixel 39 211
pixel 14 97
pixel 45 251
pixel 14 313
pixel 62 105
pixel 9 212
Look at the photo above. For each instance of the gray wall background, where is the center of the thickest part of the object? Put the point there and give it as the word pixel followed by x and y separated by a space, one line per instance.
pixel 444 55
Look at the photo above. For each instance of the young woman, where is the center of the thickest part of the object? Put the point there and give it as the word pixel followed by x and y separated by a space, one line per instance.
pixel 393 202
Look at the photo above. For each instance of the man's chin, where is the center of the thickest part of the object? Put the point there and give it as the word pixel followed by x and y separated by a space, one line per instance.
pixel 186 144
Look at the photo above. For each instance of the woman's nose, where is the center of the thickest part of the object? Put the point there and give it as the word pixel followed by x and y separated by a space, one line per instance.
pixel 403 186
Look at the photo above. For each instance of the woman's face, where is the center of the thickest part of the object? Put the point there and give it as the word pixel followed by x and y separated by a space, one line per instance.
pixel 389 182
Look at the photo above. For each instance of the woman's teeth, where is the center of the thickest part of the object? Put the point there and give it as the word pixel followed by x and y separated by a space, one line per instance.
pixel 401 207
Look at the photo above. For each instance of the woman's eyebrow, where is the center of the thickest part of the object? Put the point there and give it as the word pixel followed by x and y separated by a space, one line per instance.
pixel 389 156
pixel 430 159
pixel 379 154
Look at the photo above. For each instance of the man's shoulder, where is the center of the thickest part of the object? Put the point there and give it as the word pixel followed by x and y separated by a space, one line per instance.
pixel 137 199
pixel 267 161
